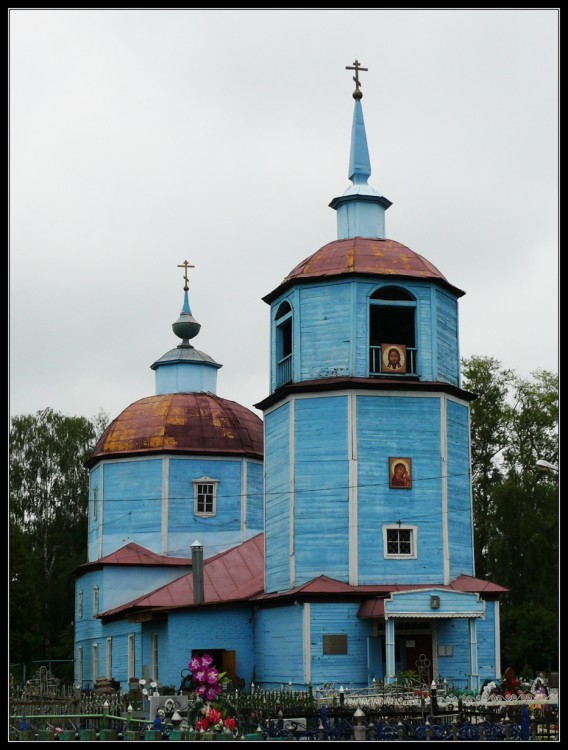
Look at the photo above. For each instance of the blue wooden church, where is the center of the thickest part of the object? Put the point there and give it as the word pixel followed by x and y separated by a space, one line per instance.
pixel 331 541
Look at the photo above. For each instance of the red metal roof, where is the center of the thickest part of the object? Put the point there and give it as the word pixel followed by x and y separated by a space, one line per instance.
pixel 234 575
pixel 365 256
pixel 238 575
pixel 135 554
pixel 195 423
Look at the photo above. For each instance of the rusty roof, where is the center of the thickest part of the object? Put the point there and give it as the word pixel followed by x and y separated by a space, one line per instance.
pixel 194 423
pixel 363 256
pixel 135 554
pixel 231 576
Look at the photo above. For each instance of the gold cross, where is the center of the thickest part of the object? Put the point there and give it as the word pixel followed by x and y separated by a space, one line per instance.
pixel 185 265
pixel 356 67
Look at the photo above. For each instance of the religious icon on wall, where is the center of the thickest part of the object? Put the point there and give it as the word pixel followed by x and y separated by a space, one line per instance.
pixel 394 358
pixel 400 473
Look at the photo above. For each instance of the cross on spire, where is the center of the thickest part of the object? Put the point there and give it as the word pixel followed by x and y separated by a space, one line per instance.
pixel 185 265
pixel 357 94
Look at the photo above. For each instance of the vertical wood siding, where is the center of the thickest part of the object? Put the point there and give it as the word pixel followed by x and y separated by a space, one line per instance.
pixel 95 480
pixel 277 467
pixel 399 426
pixel 321 480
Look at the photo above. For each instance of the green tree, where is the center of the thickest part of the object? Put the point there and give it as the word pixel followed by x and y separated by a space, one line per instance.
pixel 513 424
pixel 48 529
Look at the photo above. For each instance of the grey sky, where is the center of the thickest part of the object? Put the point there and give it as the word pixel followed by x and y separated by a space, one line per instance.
pixel 140 138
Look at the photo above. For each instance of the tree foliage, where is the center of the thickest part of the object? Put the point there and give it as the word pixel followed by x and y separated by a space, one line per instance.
pixel 514 422
pixel 49 490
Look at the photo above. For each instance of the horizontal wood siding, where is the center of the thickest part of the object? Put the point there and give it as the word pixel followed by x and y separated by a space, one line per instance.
pixel 279 646
pixel 255 498
pixel 133 504
pixel 339 619
pixel 95 480
pixel 390 427
pixel 325 329
pixel 277 502
pixel 228 629
pixel 321 518
pixel 447 365
pixel 419 601
pixel 454 633
pixel 216 533
pixel 459 500
pixel 486 645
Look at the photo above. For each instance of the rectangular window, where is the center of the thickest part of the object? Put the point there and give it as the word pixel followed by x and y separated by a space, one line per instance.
pixel 131 657
pixel 80 667
pixel 95 601
pixel 400 541
pixel 109 658
pixel 205 496
pixel 334 644
pixel 79 605
pixel 445 650
pixel 95 662
pixel 155 657
pixel 95 494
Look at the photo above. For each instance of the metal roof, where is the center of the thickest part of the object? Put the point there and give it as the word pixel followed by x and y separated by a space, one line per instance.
pixel 231 576
pixel 135 554
pixel 363 256
pixel 195 423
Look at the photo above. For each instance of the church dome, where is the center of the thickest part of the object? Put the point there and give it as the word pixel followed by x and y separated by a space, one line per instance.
pixel 185 423
pixel 366 257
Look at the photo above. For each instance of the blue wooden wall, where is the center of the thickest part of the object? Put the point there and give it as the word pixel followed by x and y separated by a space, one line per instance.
pixel 277 488
pixel 321 482
pixel 460 526
pixel 331 329
pixel 279 647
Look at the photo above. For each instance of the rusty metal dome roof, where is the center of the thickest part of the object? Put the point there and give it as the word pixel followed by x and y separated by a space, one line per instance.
pixel 186 423
pixel 363 256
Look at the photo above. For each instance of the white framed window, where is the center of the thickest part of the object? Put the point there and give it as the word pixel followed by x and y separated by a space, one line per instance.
pixel 95 662
pixel 205 496
pixel 80 605
pixel 80 667
pixel 95 496
pixel 400 541
pixel 131 656
pixel 154 669
pixel 109 658
pixel 95 601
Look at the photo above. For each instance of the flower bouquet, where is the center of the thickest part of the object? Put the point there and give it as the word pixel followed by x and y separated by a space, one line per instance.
pixel 210 712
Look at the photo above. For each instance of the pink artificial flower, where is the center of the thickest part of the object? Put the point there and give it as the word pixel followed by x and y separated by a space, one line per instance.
pixel 212 692
pixel 206 660
pixel 195 664
pixel 200 675
pixel 212 676
pixel 201 690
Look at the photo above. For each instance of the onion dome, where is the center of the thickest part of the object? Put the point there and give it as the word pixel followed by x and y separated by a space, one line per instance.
pixel 182 423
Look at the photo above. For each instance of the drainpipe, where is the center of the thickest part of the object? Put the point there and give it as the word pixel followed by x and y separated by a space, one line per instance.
pixel 197 567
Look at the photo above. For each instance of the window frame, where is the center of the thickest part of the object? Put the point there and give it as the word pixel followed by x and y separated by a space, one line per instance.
pixel 413 555
pixel 205 481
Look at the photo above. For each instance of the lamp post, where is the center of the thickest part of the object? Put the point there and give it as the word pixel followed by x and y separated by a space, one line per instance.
pixel 543 465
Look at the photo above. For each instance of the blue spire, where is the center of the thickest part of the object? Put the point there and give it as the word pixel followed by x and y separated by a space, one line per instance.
pixel 359 162
pixel 361 209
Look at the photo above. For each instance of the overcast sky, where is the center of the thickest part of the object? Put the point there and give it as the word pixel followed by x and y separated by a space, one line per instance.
pixel 143 137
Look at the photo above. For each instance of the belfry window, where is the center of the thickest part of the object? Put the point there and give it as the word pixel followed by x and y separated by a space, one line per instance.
pixel 283 343
pixel 392 313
